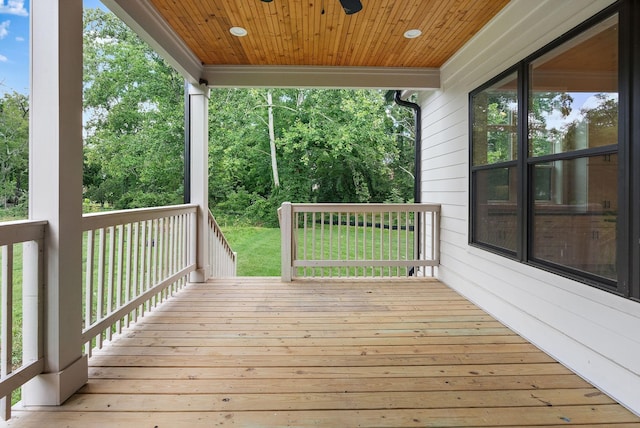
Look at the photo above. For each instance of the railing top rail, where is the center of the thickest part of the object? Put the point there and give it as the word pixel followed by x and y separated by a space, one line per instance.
pixel 225 243
pixel 13 232
pixel 213 220
pixel 95 221
pixel 376 208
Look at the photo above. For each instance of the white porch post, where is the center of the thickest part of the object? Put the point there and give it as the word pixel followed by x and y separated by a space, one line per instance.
pixel 199 140
pixel 55 191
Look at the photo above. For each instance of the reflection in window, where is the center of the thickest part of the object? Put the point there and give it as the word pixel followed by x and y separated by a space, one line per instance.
pixel 542 182
pixel 586 120
pixel 495 208
pixel 573 105
pixel 495 154
pixel 557 207
pixel 576 226
pixel 573 98
pixel 495 123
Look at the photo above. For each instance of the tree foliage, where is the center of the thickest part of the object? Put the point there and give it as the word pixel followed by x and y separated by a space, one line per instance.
pixel 331 146
pixel 14 152
pixel 134 111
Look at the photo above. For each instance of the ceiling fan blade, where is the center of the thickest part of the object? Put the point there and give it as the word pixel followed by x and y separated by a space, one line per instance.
pixel 351 6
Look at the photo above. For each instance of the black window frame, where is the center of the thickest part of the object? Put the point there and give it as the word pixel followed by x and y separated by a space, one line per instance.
pixel 630 92
pixel 497 165
pixel 627 149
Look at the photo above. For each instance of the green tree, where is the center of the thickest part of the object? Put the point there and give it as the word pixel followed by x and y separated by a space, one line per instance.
pixel 266 145
pixel 403 165
pixel 14 152
pixel 134 111
pixel 331 146
pixel 241 176
pixel 340 146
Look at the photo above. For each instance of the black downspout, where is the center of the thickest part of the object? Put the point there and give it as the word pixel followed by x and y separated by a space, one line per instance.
pixel 417 188
pixel 187 145
pixel 418 144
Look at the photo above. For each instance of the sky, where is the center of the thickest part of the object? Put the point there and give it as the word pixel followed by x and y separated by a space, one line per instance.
pixel 14 44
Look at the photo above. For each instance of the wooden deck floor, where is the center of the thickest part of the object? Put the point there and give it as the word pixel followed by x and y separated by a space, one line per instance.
pixel 256 352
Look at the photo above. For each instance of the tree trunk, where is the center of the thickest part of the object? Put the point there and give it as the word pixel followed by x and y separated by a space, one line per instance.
pixel 272 142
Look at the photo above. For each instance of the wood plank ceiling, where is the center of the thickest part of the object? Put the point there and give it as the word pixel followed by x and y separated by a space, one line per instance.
pixel 319 33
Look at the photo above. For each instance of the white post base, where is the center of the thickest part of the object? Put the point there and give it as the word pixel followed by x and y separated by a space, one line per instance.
pixel 53 389
pixel 198 275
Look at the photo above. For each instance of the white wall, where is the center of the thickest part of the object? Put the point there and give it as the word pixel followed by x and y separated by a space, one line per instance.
pixel 595 333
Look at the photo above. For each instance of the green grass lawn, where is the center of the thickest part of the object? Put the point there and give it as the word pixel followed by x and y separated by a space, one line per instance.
pixel 258 249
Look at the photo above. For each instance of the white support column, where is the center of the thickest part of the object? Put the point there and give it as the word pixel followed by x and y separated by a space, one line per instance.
pixel 55 191
pixel 199 140
pixel 286 241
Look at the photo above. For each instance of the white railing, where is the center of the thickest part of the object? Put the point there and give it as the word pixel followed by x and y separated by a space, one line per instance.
pixel 133 261
pixel 359 240
pixel 222 259
pixel 21 350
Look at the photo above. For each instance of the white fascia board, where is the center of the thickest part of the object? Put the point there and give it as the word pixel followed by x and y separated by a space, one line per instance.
pixel 321 77
pixel 145 21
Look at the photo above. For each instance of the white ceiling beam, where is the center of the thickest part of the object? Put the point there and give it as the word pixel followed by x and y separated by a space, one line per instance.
pixel 219 76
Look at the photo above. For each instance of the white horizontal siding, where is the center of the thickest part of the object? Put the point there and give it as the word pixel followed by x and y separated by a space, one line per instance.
pixel 591 331
pixel 445 185
pixel 445 172
pixel 443 160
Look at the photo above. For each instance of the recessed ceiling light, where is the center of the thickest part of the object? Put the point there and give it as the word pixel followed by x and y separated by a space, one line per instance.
pixel 238 31
pixel 412 34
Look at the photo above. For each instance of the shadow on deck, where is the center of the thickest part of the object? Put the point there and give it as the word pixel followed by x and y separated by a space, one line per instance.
pixel 258 352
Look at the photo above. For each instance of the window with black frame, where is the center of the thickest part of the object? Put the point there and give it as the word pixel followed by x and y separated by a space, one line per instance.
pixel 568 178
pixel 573 138
pixel 494 158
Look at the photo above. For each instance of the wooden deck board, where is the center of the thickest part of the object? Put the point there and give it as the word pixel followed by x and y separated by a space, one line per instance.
pixel 256 352
pixel 334 401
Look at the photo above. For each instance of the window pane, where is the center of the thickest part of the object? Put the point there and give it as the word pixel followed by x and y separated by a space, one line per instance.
pixel 573 99
pixel 576 225
pixel 495 122
pixel 495 208
pixel 542 182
